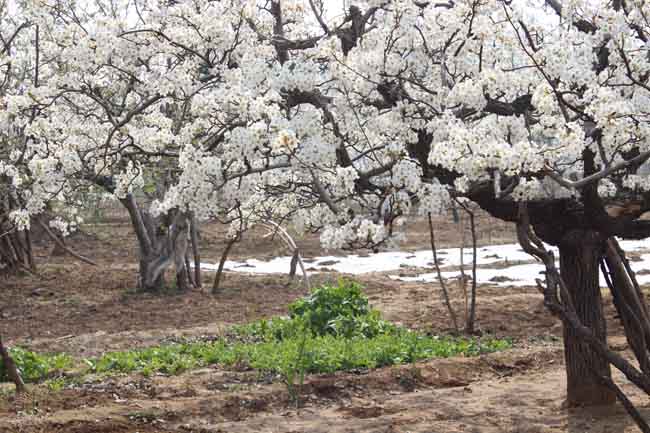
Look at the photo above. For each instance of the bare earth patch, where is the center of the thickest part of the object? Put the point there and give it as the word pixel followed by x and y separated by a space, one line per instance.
pixel 86 311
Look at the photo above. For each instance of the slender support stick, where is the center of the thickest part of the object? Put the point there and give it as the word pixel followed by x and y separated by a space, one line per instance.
pixel 627 404
pixel 472 307
pixel 297 258
pixel 30 252
pixel 222 262
pixel 471 317
pixel 443 285
pixel 194 234
pixel 190 280
pixel 463 277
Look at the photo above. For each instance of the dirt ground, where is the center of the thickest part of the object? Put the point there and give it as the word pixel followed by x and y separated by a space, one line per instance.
pixel 87 310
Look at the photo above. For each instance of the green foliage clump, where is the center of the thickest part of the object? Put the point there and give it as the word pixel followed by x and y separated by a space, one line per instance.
pixel 332 329
pixel 167 359
pixel 328 306
pixel 341 310
pixel 328 353
pixel 35 367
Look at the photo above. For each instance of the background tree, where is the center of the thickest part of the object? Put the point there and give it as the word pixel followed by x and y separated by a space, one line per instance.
pixel 19 63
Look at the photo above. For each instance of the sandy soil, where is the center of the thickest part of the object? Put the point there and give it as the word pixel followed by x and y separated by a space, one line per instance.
pixel 85 311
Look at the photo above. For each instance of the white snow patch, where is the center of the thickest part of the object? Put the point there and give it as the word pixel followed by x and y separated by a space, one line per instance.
pixel 517 274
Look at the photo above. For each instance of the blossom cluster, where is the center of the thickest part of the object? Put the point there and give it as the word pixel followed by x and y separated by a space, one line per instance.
pixel 240 112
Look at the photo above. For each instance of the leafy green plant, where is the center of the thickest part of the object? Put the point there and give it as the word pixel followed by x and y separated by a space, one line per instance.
pixel 341 310
pixel 293 368
pixel 328 304
pixel 331 330
pixel 56 384
pixel 34 367
pixel 168 359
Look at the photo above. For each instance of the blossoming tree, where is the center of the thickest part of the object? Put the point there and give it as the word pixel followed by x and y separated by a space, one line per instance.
pixel 17 59
pixel 538 116
pixel 537 111
pixel 121 91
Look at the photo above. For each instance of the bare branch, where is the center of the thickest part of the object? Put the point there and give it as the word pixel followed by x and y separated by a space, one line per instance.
pixel 60 243
pixel 585 181
pixel 319 17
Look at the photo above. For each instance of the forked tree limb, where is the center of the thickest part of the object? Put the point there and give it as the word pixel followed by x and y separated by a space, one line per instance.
pixel 615 245
pixel 629 303
pixel 634 331
pixel 630 286
pixel 58 241
pixel 14 255
pixel 291 244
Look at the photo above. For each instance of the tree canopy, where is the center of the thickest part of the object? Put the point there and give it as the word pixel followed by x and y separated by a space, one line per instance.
pixel 342 124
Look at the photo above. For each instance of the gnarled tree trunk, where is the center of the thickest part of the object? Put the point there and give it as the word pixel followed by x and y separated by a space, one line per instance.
pixel 162 241
pixel 15 250
pixel 580 252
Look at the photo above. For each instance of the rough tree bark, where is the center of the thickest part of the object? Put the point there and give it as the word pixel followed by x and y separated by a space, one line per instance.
pixel 580 253
pixel 15 246
pixel 566 311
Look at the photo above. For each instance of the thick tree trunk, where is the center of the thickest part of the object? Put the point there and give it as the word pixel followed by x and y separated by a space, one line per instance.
pixel 162 241
pixel 150 265
pixel 580 252
pixel 15 251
